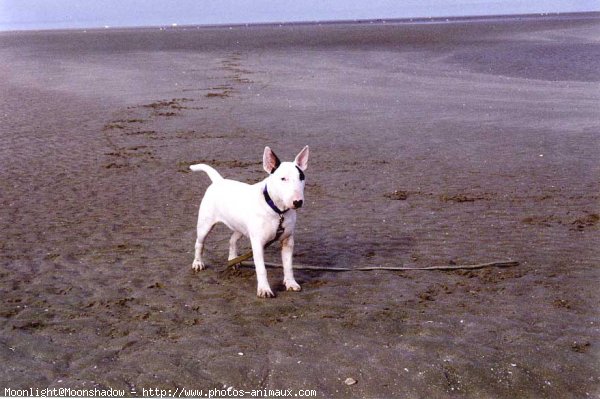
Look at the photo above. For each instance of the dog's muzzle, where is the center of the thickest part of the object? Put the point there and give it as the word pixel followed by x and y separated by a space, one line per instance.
pixel 298 204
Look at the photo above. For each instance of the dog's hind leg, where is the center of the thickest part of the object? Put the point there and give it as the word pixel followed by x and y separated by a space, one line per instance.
pixel 205 225
pixel 233 244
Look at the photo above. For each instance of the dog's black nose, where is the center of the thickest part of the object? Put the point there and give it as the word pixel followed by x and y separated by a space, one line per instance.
pixel 298 204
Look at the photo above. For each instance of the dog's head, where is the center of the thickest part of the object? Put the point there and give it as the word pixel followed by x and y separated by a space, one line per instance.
pixel 286 183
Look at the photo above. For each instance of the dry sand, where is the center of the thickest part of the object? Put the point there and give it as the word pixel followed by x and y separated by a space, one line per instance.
pixel 488 129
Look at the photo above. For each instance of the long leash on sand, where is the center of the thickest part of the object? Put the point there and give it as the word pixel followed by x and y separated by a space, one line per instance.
pixel 243 261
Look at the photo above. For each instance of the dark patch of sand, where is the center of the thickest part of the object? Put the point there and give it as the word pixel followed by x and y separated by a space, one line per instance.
pixel 430 143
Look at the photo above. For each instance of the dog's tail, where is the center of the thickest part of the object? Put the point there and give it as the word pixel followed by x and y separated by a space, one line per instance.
pixel 210 171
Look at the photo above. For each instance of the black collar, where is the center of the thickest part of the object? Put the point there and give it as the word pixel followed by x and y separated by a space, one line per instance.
pixel 271 203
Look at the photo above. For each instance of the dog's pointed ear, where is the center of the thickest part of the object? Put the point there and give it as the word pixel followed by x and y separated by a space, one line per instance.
pixel 302 159
pixel 270 161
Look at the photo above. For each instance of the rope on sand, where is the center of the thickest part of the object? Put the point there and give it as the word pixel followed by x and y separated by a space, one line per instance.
pixel 507 263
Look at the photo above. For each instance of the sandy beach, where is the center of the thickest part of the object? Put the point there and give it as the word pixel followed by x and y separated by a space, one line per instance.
pixel 435 143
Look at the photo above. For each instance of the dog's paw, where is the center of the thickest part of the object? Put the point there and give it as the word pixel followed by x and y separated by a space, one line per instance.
pixel 197 265
pixel 264 292
pixel 292 285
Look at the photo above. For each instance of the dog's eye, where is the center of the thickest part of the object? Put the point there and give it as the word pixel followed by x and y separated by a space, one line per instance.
pixel 284 179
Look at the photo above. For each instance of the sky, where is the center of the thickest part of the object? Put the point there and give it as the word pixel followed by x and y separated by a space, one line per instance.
pixel 61 14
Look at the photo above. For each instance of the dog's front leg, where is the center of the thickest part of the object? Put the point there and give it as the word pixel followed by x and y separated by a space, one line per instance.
pixel 287 251
pixel 263 289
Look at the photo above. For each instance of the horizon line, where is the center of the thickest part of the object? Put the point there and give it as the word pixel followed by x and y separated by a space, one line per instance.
pixel 382 21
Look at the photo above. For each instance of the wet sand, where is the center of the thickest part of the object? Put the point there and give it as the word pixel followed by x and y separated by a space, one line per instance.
pixel 437 143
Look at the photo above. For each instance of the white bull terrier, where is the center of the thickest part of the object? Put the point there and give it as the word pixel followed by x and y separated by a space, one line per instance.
pixel 264 212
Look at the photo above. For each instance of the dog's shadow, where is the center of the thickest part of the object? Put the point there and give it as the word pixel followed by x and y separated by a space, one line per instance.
pixel 331 252
pixel 364 251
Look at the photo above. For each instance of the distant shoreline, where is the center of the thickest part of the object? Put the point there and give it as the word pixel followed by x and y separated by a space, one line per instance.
pixel 377 21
